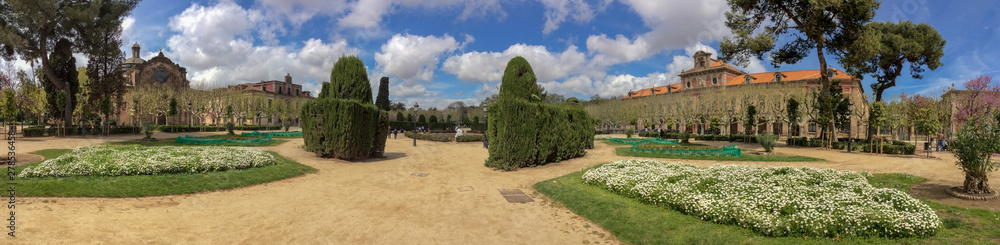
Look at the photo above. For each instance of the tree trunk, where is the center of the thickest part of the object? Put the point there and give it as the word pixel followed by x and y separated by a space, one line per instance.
pixel 976 184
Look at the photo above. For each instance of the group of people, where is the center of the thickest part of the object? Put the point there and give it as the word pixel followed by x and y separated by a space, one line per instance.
pixel 393 132
pixel 942 144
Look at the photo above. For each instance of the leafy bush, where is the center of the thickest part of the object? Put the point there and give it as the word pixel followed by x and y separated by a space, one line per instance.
pixel 344 123
pixel 148 130
pixel 649 134
pixel 527 132
pixel 429 137
pixel 773 201
pixel 433 119
pixel 229 128
pixel 115 160
pixel 974 147
pixel 685 137
pixel 768 141
pixel 629 133
pixel 469 138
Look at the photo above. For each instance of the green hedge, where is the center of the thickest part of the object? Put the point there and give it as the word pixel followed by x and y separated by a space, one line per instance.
pixel 341 128
pixel 43 131
pixel 526 134
pixel 888 147
pixel 256 127
pixel 429 137
pixel 185 128
pixel 432 126
pixel 470 138
pixel 478 127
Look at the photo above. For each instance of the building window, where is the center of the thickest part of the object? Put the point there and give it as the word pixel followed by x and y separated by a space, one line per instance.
pixel 715 81
pixel 749 79
pixel 281 90
pixel 689 84
pixel 812 127
pixel 777 77
pixel 297 92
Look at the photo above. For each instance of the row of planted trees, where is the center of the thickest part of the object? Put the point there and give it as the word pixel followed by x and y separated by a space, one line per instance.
pixel 758 108
pixel 36 105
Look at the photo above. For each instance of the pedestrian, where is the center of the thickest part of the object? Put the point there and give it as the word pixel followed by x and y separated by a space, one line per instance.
pixel 394 132
pixel 940 142
pixel 390 131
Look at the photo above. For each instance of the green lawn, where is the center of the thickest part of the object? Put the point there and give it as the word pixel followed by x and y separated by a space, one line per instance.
pixel 627 151
pixel 173 141
pixel 152 185
pixel 639 223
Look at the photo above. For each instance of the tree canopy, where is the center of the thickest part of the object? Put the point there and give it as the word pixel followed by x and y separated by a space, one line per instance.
pixel 891 46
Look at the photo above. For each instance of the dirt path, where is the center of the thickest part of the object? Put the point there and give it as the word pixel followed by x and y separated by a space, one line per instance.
pixel 381 201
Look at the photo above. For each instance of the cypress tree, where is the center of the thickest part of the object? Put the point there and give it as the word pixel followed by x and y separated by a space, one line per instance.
pixel 382 100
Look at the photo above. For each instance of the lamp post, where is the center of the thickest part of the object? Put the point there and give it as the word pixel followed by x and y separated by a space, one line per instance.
pixel 850 109
pixel 730 126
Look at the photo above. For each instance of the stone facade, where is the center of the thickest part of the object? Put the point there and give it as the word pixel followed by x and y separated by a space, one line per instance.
pixel 710 79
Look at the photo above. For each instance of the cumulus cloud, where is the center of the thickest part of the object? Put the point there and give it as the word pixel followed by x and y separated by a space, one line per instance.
pixel 371 13
pixel 619 84
pixel 414 58
pixel 299 11
pixel 488 66
pixel 556 12
pixel 674 24
pixel 215 44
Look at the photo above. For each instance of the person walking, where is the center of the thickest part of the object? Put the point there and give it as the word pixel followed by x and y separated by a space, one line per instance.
pixel 940 142
pixel 394 133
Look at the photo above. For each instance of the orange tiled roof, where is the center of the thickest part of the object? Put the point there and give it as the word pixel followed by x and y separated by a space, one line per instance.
pixel 767 77
pixel 716 63
pixel 764 77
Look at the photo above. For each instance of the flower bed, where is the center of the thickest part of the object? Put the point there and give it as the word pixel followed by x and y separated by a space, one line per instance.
pixel 114 160
pixel 774 201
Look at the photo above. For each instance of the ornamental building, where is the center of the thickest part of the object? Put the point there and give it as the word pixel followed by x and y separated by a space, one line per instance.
pixel 715 91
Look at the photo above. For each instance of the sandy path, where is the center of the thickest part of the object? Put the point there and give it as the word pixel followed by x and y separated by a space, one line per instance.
pixel 376 202
pixel 369 202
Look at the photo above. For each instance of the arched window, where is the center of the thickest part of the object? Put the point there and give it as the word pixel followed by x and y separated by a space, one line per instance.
pixel 777 77
pixel 748 79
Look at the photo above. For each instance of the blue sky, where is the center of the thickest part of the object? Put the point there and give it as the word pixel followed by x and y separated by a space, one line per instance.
pixel 439 51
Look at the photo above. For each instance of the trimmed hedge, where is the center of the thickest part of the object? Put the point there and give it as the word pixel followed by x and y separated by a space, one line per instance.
pixel 43 131
pixel 344 123
pixel 185 128
pixel 470 138
pixel 429 137
pixel 433 126
pixel 888 147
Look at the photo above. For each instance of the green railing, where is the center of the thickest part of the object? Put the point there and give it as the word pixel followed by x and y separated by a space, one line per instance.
pixel 645 141
pixel 724 151
pixel 273 134
pixel 187 139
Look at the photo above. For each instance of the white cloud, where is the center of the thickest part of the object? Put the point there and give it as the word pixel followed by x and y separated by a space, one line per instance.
pixel 619 50
pixel 674 24
pixel 214 43
pixel 370 14
pixel 489 66
pixel 556 12
pixel 414 58
pixel 300 11
pixel 128 28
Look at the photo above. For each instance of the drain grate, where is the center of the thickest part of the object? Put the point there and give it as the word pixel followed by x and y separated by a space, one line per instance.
pixel 465 188
pixel 515 196
pixel 420 174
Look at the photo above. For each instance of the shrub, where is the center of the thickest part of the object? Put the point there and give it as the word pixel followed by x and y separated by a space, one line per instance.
pixel 469 138
pixel 428 137
pixel 685 137
pixel 649 134
pixel 974 147
pixel 768 141
pixel 344 123
pixel 629 133
pixel 108 160
pixel 229 128
pixel 421 119
pixel 433 119
pixel 148 130
pixel 527 132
